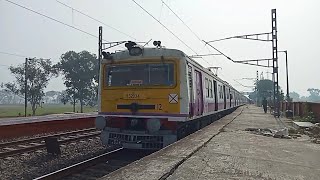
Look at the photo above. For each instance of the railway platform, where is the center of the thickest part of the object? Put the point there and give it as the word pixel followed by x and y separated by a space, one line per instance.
pixel 27 126
pixel 227 150
pixel 51 117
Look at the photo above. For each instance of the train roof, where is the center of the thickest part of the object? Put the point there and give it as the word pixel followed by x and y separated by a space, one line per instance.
pixel 148 52
pixel 158 52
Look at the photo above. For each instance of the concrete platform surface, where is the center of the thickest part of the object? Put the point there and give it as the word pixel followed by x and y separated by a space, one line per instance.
pixel 225 150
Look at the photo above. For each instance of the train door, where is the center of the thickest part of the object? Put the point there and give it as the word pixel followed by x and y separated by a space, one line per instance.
pixel 215 95
pixel 224 97
pixel 230 97
pixel 191 105
pixel 199 94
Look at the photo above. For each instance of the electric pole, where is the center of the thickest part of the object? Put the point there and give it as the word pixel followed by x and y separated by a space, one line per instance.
pixel 288 96
pixel 99 67
pixel 255 62
pixel 25 87
pixel 257 87
pixel 287 76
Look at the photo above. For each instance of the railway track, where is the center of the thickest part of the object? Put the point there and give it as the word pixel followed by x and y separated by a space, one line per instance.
pixel 27 145
pixel 97 166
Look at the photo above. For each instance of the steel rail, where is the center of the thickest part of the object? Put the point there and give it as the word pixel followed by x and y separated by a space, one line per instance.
pixel 5 144
pixel 81 165
pixel 34 147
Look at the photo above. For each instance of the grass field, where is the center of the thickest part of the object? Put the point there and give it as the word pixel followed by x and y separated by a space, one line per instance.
pixel 14 110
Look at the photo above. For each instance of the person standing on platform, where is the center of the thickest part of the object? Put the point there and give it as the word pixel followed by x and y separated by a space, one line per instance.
pixel 264 104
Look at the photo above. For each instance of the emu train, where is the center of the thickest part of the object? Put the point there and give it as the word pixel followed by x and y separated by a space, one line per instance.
pixel 151 97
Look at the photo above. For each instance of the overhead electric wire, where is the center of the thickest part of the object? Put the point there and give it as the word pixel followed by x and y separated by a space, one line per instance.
pixel 242 84
pixel 204 59
pixel 96 19
pixel 219 51
pixel 190 31
pixel 164 26
pixel 186 26
pixel 246 36
pixel 11 54
pixel 181 20
pixel 208 43
pixel 195 33
pixel 201 55
pixel 160 11
pixel 4 65
pixel 53 19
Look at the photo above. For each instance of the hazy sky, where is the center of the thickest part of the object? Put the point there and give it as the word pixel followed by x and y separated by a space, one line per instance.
pixel 25 33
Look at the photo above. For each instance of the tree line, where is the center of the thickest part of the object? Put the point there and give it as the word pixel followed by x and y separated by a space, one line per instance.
pixel 50 97
pixel 314 96
pixel 80 75
pixel 264 89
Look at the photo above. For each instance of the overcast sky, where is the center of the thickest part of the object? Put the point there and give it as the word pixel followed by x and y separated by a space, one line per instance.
pixel 28 34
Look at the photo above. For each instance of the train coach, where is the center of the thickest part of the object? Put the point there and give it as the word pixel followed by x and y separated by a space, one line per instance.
pixel 151 97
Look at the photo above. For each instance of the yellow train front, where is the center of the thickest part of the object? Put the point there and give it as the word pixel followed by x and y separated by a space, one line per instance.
pixel 151 97
pixel 140 98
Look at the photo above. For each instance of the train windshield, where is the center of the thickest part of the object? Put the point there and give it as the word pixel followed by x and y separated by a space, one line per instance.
pixel 161 74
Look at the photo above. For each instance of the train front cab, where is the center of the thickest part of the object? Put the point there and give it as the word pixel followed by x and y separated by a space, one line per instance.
pixel 140 102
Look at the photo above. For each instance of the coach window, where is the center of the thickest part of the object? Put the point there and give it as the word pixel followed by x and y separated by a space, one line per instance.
pixel 222 96
pixel 220 92
pixel 228 94
pixel 210 89
pixel 207 87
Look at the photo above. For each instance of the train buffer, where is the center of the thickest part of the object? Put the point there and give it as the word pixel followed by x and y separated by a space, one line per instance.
pixel 226 149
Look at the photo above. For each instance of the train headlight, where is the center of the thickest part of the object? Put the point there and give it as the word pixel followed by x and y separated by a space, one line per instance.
pixel 100 122
pixel 153 125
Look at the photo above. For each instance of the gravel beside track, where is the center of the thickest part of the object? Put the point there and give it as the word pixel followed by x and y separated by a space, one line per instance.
pixel 35 164
pixel 98 166
pixel 33 144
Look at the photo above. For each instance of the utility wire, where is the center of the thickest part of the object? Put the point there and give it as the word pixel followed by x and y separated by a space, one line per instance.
pixel 221 74
pixel 48 17
pixel 219 51
pixel 242 84
pixel 4 65
pixel 95 19
pixel 187 27
pixel 164 26
pixel 11 54
pixel 160 11
pixel 195 33
pixel 190 30
pixel 181 20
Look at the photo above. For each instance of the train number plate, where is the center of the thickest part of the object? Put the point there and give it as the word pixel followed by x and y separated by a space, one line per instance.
pixel 132 145
pixel 133 95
